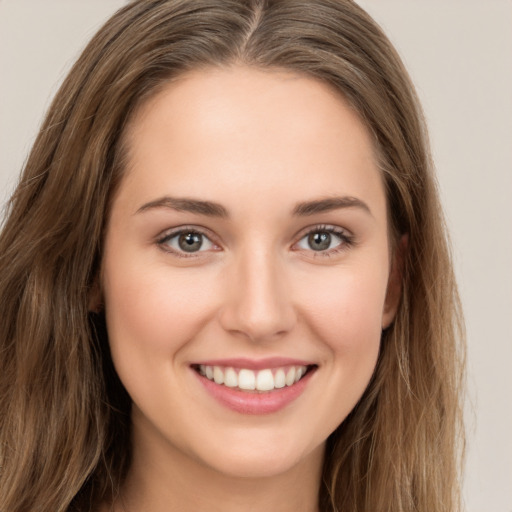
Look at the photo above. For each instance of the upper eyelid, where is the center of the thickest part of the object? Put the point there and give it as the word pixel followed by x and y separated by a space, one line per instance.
pixel 163 241
pixel 172 232
pixel 215 239
pixel 346 236
pixel 331 228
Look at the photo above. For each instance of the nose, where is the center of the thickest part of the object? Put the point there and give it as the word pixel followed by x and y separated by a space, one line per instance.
pixel 258 302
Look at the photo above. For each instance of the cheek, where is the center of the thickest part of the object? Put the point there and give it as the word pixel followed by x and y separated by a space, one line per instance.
pixel 152 314
pixel 347 302
pixel 154 310
pixel 345 311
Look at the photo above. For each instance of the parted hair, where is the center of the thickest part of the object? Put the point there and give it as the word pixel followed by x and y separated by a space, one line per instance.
pixel 64 415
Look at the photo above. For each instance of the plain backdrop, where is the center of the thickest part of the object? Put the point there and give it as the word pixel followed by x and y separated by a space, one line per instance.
pixel 459 53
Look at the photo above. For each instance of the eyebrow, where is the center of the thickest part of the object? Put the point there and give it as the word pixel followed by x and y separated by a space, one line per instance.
pixel 308 208
pixel 186 205
pixel 211 209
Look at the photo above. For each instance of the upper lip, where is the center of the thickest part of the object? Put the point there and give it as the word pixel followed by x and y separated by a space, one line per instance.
pixel 254 364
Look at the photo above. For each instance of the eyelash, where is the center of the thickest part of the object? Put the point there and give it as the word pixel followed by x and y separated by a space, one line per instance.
pixel 163 241
pixel 346 240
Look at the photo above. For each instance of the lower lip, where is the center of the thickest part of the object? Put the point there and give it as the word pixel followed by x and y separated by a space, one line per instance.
pixel 265 402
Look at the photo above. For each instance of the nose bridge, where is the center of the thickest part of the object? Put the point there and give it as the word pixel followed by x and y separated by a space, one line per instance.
pixel 259 304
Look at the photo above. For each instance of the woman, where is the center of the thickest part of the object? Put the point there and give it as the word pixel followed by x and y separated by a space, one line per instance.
pixel 225 277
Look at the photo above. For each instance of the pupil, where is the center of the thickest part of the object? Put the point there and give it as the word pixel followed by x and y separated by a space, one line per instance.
pixel 319 241
pixel 190 242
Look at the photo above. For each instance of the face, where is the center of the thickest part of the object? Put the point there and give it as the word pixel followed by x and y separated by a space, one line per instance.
pixel 246 269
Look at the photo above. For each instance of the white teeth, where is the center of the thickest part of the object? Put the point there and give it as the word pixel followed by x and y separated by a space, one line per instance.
pixel 265 380
pixel 230 378
pixel 218 375
pixel 279 379
pixel 290 376
pixel 245 379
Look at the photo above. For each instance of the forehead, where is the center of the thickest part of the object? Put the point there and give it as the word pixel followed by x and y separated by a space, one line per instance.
pixel 227 131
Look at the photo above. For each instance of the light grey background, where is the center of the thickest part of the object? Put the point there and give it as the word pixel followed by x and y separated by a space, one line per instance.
pixel 459 53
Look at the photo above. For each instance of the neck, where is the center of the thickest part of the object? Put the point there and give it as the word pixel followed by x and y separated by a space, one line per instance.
pixel 164 479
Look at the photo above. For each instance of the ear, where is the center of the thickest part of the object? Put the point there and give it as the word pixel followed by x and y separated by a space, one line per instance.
pixel 95 297
pixel 394 289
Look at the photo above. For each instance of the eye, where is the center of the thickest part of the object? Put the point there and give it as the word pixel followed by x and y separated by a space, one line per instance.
pixel 186 241
pixel 325 239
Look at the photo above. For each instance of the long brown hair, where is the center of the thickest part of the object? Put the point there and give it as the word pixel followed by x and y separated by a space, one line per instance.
pixel 64 416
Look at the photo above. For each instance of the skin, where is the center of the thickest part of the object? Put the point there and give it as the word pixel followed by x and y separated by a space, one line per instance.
pixel 257 143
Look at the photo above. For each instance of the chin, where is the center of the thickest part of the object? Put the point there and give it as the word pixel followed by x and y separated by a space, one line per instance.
pixel 261 460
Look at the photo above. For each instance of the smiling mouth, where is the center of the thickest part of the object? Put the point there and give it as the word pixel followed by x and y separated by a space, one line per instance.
pixel 254 381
